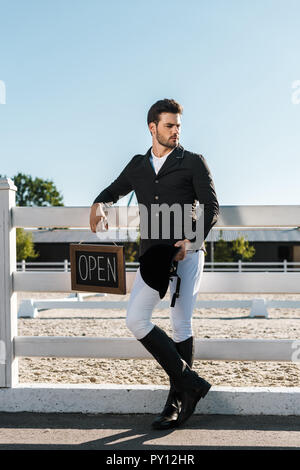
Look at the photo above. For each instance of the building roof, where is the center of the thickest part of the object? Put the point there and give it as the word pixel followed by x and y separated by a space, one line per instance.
pixel 257 235
pixel 76 236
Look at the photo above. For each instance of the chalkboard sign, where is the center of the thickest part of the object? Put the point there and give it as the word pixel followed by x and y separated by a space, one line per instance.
pixel 98 268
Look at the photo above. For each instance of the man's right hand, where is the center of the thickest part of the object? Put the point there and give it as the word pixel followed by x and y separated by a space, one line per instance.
pixel 96 214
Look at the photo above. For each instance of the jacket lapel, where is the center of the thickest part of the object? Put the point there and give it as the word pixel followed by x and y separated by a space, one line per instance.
pixel 170 164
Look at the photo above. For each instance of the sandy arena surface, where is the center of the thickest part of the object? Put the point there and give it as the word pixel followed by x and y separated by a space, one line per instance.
pixel 207 323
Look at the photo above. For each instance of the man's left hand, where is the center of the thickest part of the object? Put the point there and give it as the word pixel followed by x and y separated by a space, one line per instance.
pixel 182 253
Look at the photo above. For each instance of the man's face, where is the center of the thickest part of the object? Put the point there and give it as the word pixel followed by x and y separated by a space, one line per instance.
pixel 167 131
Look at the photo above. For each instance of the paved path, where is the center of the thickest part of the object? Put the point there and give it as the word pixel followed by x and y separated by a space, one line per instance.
pixel 133 432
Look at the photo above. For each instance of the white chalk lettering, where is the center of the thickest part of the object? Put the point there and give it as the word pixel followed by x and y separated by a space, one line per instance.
pixel 91 268
pixel 100 269
pixel 97 267
pixel 84 278
pixel 112 269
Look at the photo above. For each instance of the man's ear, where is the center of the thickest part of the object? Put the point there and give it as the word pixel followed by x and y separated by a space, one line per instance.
pixel 151 127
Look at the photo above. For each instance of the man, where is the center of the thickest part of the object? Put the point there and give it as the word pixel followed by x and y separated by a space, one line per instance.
pixel 168 175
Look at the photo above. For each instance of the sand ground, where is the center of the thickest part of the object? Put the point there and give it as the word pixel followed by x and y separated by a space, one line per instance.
pixel 207 323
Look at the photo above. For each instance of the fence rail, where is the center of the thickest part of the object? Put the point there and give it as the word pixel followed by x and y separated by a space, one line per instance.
pixel 128 348
pixel 13 281
pixel 238 266
pixel 212 282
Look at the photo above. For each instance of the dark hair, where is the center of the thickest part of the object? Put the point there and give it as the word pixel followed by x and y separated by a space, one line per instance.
pixel 163 106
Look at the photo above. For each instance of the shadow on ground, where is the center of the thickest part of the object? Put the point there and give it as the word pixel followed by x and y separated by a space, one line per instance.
pixel 70 431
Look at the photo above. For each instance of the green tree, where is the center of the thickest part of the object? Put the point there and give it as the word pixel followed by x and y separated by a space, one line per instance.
pixel 32 192
pixel 36 191
pixel 222 250
pixel 241 249
pixel 25 245
pixel 131 253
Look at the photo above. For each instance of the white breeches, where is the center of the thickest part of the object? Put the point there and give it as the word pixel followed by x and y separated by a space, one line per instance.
pixel 143 299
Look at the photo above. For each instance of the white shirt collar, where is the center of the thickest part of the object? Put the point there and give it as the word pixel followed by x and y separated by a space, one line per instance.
pixel 165 156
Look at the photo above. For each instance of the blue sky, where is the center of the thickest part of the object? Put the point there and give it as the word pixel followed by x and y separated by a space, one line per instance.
pixel 80 77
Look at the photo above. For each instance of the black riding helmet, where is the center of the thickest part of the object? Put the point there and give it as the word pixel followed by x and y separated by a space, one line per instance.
pixel 157 266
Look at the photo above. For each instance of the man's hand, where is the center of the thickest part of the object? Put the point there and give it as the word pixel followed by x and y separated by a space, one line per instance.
pixel 184 245
pixel 96 214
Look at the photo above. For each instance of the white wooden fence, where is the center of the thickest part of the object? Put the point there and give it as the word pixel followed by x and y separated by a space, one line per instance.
pixel 11 282
pixel 239 266
pixel 29 308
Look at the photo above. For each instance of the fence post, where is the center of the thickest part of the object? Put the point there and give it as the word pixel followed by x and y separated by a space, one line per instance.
pixel 8 298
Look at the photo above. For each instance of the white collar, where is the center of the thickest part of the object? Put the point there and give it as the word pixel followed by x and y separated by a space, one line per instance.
pixel 158 158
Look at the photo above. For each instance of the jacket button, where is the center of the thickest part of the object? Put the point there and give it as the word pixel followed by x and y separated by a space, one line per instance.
pixel 156 197
pixel 156 181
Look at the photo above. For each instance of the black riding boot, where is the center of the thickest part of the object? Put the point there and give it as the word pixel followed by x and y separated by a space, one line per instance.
pixel 168 417
pixel 187 383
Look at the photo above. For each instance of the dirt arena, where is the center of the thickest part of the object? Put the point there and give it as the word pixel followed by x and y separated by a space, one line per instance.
pixel 207 323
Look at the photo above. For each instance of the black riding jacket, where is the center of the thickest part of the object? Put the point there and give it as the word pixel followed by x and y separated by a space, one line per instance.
pixel 184 178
